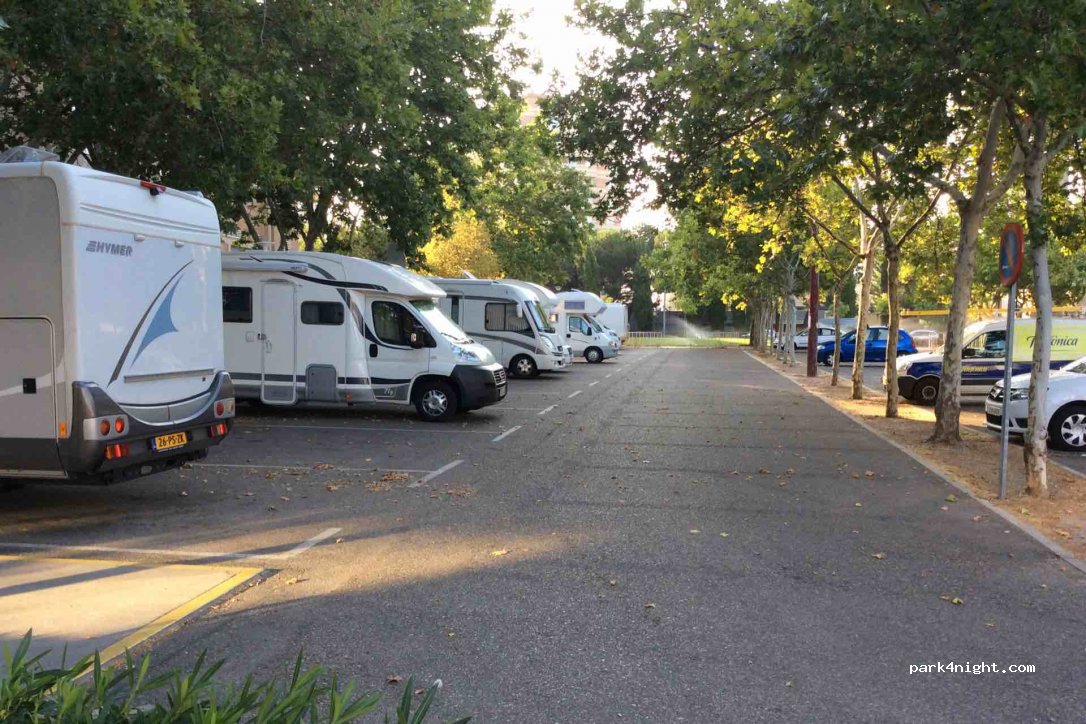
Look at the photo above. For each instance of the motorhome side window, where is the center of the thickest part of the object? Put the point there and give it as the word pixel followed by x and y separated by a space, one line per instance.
pixel 237 305
pixel 322 313
pixel 501 317
pixel 455 309
pixel 392 323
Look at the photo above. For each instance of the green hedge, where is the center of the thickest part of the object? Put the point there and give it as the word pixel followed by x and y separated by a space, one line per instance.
pixel 88 693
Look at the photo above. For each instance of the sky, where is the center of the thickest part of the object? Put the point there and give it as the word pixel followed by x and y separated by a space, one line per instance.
pixel 558 45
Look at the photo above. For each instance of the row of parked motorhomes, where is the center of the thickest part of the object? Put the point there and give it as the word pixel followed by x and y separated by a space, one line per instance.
pixel 128 335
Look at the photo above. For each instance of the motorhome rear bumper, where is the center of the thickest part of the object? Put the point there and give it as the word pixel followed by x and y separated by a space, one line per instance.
pixel 84 456
pixel 479 386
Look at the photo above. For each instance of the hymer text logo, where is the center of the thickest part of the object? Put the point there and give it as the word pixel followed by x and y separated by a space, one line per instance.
pixel 104 247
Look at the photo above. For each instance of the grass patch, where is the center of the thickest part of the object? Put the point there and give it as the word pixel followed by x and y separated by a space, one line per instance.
pixel 706 343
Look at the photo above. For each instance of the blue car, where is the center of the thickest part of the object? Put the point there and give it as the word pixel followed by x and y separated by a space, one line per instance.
pixel 874 348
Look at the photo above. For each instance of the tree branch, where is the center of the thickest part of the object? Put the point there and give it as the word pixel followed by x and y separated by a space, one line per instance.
pixel 854 199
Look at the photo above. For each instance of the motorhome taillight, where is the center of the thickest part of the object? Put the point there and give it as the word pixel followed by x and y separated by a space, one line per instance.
pixel 118 425
pixel 220 408
pixel 114 452
pixel 154 188
pixel 103 427
pixel 218 429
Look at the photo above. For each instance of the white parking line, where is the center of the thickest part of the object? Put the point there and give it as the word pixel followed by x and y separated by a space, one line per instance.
pixel 427 478
pixel 571 396
pixel 442 429
pixel 591 384
pixel 545 411
pixel 506 434
pixel 308 468
pixel 296 550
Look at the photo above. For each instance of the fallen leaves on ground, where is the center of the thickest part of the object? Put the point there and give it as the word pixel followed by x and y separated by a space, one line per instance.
pixel 379 486
pixel 869 474
pixel 333 487
pixel 394 477
pixel 878 556
pixel 650 605
pixel 459 492
pixel 323 466
pixel 393 679
pixel 951 599
pixel 500 552
pixel 695 531
pixel 952 498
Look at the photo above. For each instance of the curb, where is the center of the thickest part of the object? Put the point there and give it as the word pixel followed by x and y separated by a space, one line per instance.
pixel 1053 547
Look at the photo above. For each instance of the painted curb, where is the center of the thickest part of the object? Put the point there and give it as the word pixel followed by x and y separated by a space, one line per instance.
pixel 1053 547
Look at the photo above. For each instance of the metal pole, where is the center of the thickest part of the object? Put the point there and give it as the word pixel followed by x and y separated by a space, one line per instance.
pixel 665 312
pixel 812 326
pixel 1008 363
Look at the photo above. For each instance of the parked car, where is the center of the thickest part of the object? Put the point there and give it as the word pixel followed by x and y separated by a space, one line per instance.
pixel 874 346
pixel 825 334
pixel 1065 406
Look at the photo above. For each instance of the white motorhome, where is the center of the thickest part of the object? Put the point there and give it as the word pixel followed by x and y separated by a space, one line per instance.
pixel 110 313
pixel 616 316
pixel 548 300
pixel 508 319
pixel 310 327
pixel 575 315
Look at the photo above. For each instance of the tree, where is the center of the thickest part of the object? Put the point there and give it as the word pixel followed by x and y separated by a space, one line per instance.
pixel 467 248
pixel 614 264
pixel 157 90
pixel 300 112
pixel 538 208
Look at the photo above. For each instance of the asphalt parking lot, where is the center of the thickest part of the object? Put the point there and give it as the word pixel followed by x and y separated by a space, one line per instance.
pixel 676 535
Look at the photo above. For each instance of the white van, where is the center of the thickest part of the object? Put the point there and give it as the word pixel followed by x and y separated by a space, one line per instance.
pixel 575 314
pixel 548 300
pixel 310 327
pixel 110 316
pixel 616 317
pixel 983 354
pixel 508 319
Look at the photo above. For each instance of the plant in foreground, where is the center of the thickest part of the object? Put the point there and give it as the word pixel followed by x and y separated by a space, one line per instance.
pixel 88 693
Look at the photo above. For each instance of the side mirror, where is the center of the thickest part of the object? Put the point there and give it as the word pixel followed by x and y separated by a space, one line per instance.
pixel 417 340
pixel 520 311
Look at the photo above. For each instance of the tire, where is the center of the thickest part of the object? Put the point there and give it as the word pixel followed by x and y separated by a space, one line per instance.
pixel 523 366
pixel 926 392
pixel 436 401
pixel 594 355
pixel 1067 428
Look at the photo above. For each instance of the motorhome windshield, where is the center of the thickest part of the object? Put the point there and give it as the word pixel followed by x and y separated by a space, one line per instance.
pixel 595 325
pixel 535 310
pixel 439 322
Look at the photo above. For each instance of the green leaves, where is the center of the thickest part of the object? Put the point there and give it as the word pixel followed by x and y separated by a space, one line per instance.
pixel 126 693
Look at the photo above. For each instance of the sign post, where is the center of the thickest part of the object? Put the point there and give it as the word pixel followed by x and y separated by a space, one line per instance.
pixel 1011 250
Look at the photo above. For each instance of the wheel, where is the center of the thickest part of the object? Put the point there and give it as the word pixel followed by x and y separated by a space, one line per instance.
pixel 926 391
pixel 1067 428
pixel 523 366
pixel 435 401
pixel 593 355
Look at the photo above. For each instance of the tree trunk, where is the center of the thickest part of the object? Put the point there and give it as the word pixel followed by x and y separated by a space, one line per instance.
pixel 248 219
pixel 948 405
pixel 893 270
pixel 836 335
pixel 867 249
pixel 1035 446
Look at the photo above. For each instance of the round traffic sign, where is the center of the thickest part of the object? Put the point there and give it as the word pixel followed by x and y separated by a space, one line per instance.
pixel 1011 251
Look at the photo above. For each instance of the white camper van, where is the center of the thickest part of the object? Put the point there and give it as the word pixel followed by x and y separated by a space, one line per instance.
pixel 508 319
pixel 110 317
pixel 310 327
pixel 548 300
pixel 616 316
pixel 575 314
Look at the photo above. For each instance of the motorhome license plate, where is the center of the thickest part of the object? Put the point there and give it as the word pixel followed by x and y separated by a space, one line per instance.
pixel 171 441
